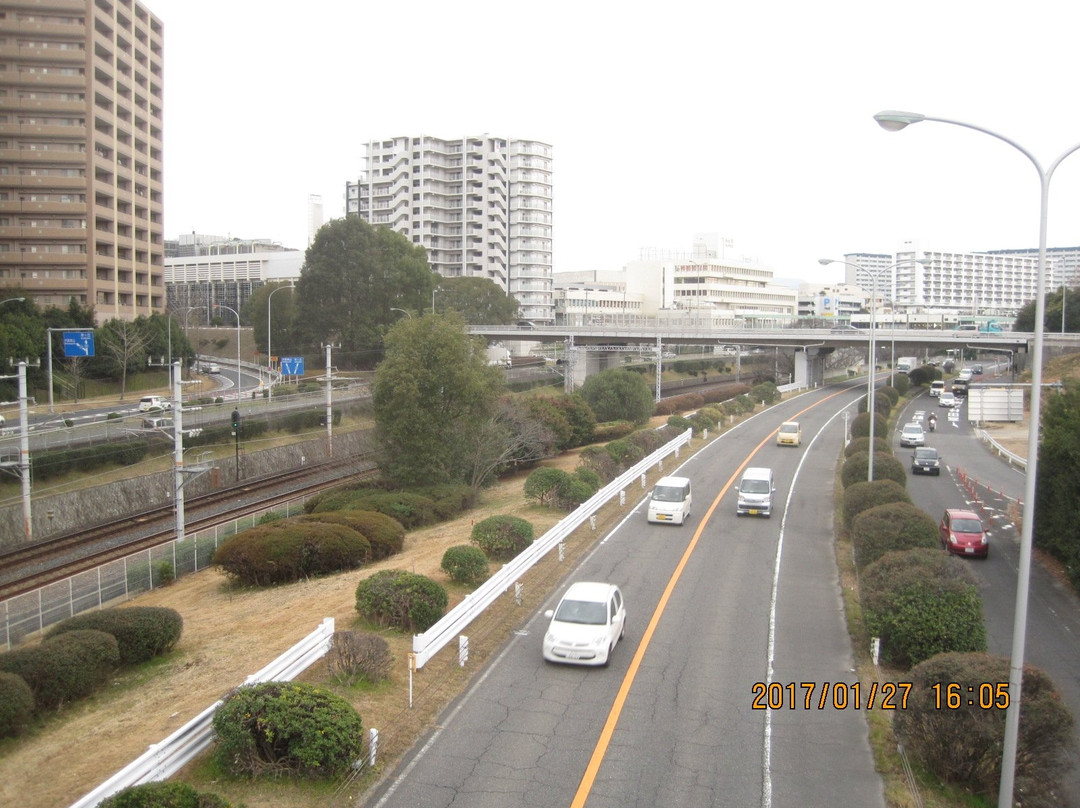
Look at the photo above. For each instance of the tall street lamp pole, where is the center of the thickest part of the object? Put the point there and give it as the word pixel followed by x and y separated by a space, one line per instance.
pixel 269 353
pixel 234 311
pixel 894 121
pixel 870 411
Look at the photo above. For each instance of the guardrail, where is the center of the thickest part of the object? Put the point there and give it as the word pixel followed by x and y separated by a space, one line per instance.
pixel 426 645
pixel 1012 458
pixel 162 760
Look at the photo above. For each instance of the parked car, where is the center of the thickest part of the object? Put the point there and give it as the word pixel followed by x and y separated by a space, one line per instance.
pixel 947 399
pixel 586 625
pixel 912 435
pixel 962 533
pixel 153 403
pixel 925 460
pixel 789 434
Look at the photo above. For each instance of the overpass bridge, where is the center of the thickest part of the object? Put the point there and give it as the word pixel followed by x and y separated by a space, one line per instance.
pixel 592 348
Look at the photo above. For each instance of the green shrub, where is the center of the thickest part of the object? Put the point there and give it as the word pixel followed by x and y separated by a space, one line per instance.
pixel 576 493
pixel 465 564
pixel 863 445
pixel 546 485
pixel 16 704
pixel 403 600
pixel 624 452
pixel 766 391
pixel 890 393
pixel 385 535
pixel 923 375
pixel 411 510
pixel 885 528
pixel 288 551
pixel 358 656
pixel 141 632
pixel 596 460
pixel 64 668
pixel 502 537
pixel 886 467
pixel 701 421
pixel 902 383
pixel 961 743
pixel 611 430
pixel 164 573
pixel 287 728
pixel 862 496
pixel 163 794
pixel 589 477
pixel 451 499
pixel 680 423
pixel 921 603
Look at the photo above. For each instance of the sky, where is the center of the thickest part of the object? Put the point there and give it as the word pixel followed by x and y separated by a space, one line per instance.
pixel 752 121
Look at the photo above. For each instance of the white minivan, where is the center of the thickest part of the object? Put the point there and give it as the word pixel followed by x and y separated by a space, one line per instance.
pixel 755 493
pixel 670 501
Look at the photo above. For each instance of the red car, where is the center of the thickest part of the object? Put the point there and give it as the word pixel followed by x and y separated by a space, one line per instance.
pixel 962 533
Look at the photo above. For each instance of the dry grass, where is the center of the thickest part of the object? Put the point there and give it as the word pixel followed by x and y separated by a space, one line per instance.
pixel 230 633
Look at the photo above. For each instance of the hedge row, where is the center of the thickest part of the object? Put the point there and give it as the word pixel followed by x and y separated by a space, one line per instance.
pixel 283 552
pixel 56 462
pixel 64 668
pixel 141 632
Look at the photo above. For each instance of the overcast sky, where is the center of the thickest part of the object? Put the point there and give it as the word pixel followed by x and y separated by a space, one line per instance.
pixel 750 120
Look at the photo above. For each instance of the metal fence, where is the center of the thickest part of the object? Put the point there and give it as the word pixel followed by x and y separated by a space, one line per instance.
pixel 122 579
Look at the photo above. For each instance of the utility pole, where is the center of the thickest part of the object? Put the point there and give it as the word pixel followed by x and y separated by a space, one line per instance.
pixel 236 436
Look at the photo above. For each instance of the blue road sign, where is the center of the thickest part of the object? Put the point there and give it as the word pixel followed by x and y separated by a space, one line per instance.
pixel 78 343
pixel 292 366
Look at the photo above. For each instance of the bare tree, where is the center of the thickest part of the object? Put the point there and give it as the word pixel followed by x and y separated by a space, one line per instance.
pixel 124 343
pixel 508 438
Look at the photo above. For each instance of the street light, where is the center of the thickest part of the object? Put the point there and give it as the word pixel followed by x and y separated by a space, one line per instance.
pixel 12 300
pixel 234 311
pixel 894 121
pixel 433 291
pixel 269 353
pixel 873 348
pixel 406 313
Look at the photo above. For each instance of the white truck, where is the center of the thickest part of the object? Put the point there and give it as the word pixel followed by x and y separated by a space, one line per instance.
pixel 906 364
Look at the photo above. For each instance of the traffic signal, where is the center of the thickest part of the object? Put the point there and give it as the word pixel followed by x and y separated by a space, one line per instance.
pixel 236 419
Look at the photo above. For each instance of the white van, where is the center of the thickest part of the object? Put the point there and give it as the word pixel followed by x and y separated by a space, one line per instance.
pixel 670 500
pixel 936 387
pixel 755 493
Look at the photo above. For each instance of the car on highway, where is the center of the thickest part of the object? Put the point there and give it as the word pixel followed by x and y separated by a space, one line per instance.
pixel 670 501
pixel 947 399
pixel 937 387
pixel 789 434
pixel 154 403
pixel 962 533
pixel 586 625
pixel 755 492
pixel 912 435
pixel 925 460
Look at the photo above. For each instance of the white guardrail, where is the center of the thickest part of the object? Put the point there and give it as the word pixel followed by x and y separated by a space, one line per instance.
pixel 1012 458
pixel 447 629
pixel 162 760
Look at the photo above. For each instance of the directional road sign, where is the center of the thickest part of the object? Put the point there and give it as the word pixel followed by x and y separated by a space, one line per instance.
pixel 292 366
pixel 78 343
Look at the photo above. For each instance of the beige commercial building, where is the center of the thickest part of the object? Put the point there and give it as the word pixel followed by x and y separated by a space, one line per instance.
pixel 81 171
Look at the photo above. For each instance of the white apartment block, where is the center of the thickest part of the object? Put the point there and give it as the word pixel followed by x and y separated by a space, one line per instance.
pixel 481 206
pixel 81 165
pixel 870 268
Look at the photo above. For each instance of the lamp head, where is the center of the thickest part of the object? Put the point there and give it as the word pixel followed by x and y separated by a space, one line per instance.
pixel 892 120
pixel 825 261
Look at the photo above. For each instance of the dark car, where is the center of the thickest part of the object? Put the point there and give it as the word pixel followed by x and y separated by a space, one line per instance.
pixel 962 533
pixel 925 460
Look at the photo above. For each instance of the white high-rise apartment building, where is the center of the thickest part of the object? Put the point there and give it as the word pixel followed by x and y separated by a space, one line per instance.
pixel 480 205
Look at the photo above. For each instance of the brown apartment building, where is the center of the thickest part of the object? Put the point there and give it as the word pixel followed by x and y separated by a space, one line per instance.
pixel 81 181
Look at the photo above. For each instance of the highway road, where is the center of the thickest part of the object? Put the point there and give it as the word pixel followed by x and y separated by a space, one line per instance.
pixel 717 611
pixel 1053 626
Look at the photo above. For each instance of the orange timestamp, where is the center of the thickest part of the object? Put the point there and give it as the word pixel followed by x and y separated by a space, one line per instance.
pixel 823 695
pixel 984 695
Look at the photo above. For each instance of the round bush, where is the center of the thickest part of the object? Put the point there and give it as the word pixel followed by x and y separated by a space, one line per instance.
pixel 465 564
pixel 403 600
pixel 355 655
pixel 141 632
pixel 860 424
pixel 283 552
pixel 502 537
pixel 287 728
pixel 411 510
pixel 921 603
pixel 589 477
pixel 64 668
pixel 863 445
pixel 163 794
pixel 862 496
pixel 963 745
pixel 895 526
pixel 890 393
pixel 16 704
pixel 385 535
pixel 546 485
pixel 886 467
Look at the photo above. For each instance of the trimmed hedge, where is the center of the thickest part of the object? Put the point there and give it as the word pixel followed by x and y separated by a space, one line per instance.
pixel 921 603
pixel 465 564
pixel 860 424
pixel 886 467
pixel 403 600
pixel 141 632
pixel 385 535
pixel 895 526
pixel 287 728
pixel 411 510
pixel 163 794
pixel 64 668
pixel 963 745
pixel 16 704
pixel 863 445
pixel 283 552
pixel 862 496
pixel 502 537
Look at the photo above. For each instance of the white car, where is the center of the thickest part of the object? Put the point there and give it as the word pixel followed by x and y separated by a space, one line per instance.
pixel 154 403
pixel 585 626
pixel 912 435
pixel 947 399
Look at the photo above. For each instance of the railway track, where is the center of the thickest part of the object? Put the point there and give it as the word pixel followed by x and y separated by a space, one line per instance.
pixel 25 569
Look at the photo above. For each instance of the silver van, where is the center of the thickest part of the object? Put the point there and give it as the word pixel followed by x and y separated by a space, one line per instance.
pixel 670 501
pixel 755 492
